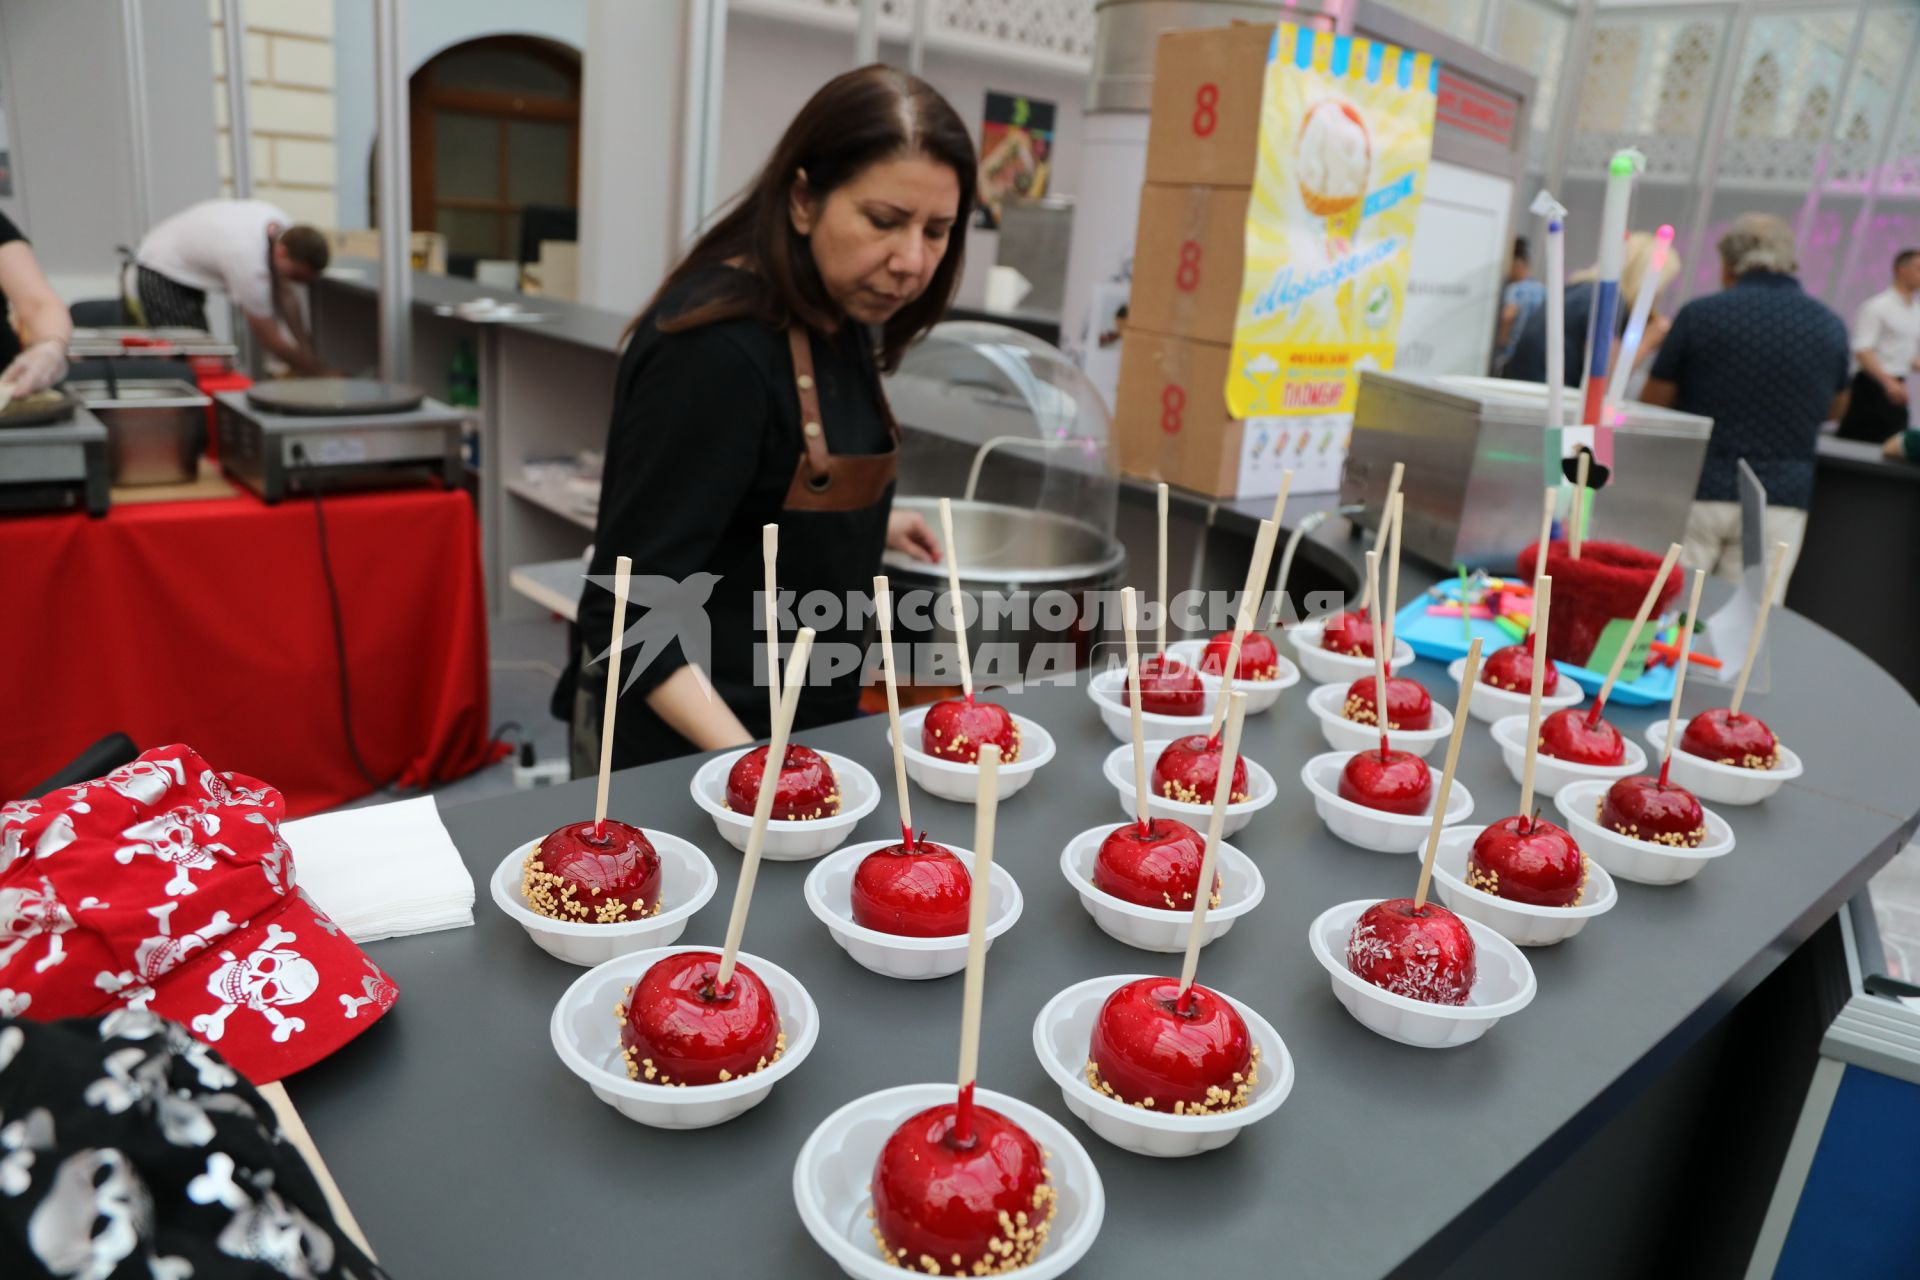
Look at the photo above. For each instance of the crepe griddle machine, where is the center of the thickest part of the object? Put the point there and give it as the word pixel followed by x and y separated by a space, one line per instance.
pixel 53 457
pixel 305 434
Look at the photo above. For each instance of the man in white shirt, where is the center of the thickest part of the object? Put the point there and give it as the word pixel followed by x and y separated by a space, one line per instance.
pixel 247 249
pixel 1886 342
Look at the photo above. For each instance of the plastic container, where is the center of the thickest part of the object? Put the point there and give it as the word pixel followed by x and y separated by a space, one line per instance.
pixel 1723 783
pixel 1503 985
pixel 953 780
pixel 829 892
pixel 835 1166
pixel 1152 928
pixel 1108 689
pixel 1261 694
pixel 1372 828
pixel 1629 858
pixel 687 882
pixel 1324 667
pixel 1350 736
pixel 1261 791
pixel 1517 922
pixel 1062 1035
pixel 586 1035
pixel 1491 704
pixel 1549 774
pixel 788 841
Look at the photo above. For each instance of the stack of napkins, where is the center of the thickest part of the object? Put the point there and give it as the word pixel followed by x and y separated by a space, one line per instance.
pixel 383 871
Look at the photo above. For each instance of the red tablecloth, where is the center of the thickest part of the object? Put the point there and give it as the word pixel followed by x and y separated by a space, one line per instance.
pixel 208 623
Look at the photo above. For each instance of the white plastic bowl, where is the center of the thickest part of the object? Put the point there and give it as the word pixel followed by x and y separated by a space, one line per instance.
pixel 1372 828
pixel 586 1035
pixel 1153 928
pixel 1261 694
pixel 1347 735
pixel 1723 783
pixel 1519 922
pixel 687 881
pixel 1323 667
pixel 793 840
pixel 1549 774
pixel 1062 1035
pixel 952 780
pixel 835 1166
pixel 1503 984
pixel 1629 858
pixel 1108 689
pixel 1261 791
pixel 1490 704
pixel 829 891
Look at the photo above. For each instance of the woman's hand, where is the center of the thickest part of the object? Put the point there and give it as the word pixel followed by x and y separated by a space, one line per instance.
pixel 907 533
pixel 35 369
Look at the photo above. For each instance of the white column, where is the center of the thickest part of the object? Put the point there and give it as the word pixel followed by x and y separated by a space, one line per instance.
pixel 394 195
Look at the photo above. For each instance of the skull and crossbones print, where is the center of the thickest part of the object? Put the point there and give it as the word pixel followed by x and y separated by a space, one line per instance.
pixel 32 911
pixel 181 838
pixel 270 977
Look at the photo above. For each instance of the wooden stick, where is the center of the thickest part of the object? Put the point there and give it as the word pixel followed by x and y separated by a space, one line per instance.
pixel 986 804
pixel 1139 733
pixel 1160 640
pixel 1460 715
pixel 622 573
pixel 883 618
pixel 1216 821
pixel 1575 533
pixel 959 604
pixel 295 1130
pixel 1759 627
pixel 1279 509
pixel 1250 594
pixel 1546 532
pixel 770 555
pixel 1542 601
pixel 1379 661
pixel 1386 519
pixel 1680 671
pixel 1633 632
pixel 763 805
pixel 1393 576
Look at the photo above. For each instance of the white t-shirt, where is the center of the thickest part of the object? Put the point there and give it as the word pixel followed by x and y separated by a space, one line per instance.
pixel 218 245
pixel 1889 326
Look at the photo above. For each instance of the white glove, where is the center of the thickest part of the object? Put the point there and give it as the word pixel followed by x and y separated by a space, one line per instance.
pixel 35 369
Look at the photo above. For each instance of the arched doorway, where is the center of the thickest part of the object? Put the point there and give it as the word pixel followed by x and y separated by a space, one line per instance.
pixel 495 129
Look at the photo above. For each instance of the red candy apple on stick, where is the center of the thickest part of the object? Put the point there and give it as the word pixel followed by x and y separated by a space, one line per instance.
pixel 1249 655
pixel 1409 706
pixel 807 788
pixel 1351 630
pixel 1169 687
pixel 1582 737
pixel 1728 736
pixel 1388 780
pixel 1509 669
pixel 956 729
pixel 1657 809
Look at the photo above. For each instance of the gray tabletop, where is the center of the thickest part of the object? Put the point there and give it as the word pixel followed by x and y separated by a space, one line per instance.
pixel 466 1148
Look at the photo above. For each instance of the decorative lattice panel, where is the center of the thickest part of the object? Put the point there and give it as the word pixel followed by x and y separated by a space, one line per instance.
pixel 1647 86
pixel 1867 110
pixel 1784 89
pixel 1061 28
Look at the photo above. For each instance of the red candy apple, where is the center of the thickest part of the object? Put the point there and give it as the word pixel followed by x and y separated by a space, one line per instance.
pixel 1568 735
pixel 1350 633
pixel 1511 669
pixel 1390 781
pixel 921 891
pixel 1168 687
pixel 806 789
pixel 1150 1052
pixel 1525 859
pixel 1647 809
pixel 1189 769
pixel 1423 954
pixel 1408 704
pixel 677 1029
pixel 946 1207
pixel 1729 738
pixel 1157 867
pixel 1259 660
pixel 585 874
pixel 957 728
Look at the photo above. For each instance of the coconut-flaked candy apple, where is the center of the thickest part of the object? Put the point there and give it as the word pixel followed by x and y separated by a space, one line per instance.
pixel 1567 735
pixel 1350 633
pixel 1529 860
pixel 1647 809
pixel 1730 738
pixel 1423 953
pixel 1148 1052
pixel 1390 781
pixel 957 728
pixel 1259 660
pixel 918 892
pixel 1511 669
pixel 677 1029
pixel 946 1207
pixel 1157 867
pixel 806 788
pixel 1409 706
pixel 1189 768
pixel 1168 687
pixel 593 874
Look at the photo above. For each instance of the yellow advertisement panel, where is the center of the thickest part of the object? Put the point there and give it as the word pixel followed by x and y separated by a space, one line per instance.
pixel 1346 129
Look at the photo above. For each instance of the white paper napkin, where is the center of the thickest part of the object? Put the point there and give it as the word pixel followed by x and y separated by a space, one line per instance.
pixel 383 871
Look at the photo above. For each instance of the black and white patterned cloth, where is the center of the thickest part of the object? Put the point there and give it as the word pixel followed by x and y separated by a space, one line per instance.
pixel 165 303
pixel 130 1149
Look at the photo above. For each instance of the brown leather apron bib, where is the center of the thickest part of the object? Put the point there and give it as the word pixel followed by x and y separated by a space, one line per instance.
pixel 825 481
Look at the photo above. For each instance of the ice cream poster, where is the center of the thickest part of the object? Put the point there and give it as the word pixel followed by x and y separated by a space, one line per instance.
pixel 1016 152
pixel 1346 129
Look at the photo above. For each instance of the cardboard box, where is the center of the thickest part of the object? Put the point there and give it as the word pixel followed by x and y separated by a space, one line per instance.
pixel 1207 86
pixel 1188 258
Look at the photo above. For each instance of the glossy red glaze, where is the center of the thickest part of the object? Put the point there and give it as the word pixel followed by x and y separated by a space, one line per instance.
pixel 1158 867
pixel 806 789
pixel 1741 740
pixel 1423 955
pixel 936 1198
pixel 1566 735
pixel 1646 809
pixel 1408 704
pixel 1350 633
pixel 1168 687
pixel 1149 1051
pixel 922 892
pixel 1511 669
pixel 1399 782
pixel 1189 768
pixel 619 864
pixel 676 1023
pixel 1259 660
pixel 1528 860
pixel 957 728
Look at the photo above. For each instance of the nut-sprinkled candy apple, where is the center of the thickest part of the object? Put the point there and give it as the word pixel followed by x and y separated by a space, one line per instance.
pixel 1259 660
pixel 1168 687
pixel 1350 633
pixel 588 876
pixel 1189 768
pixel 921 891
pixel 1158 867
pixel 677 1029
pixel 1423 954
pixel 946 1207
pixel 1567 735
pixel 1530 860
pixel 957 728
pixel 1511 669
pixel 1647 809
pixel 806 789
pixel 1408 704
pixel 1148 1052
pixel 1733 739
pixel 1390 781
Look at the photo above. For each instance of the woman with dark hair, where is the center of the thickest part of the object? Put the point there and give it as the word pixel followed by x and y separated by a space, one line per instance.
pixel 750 392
